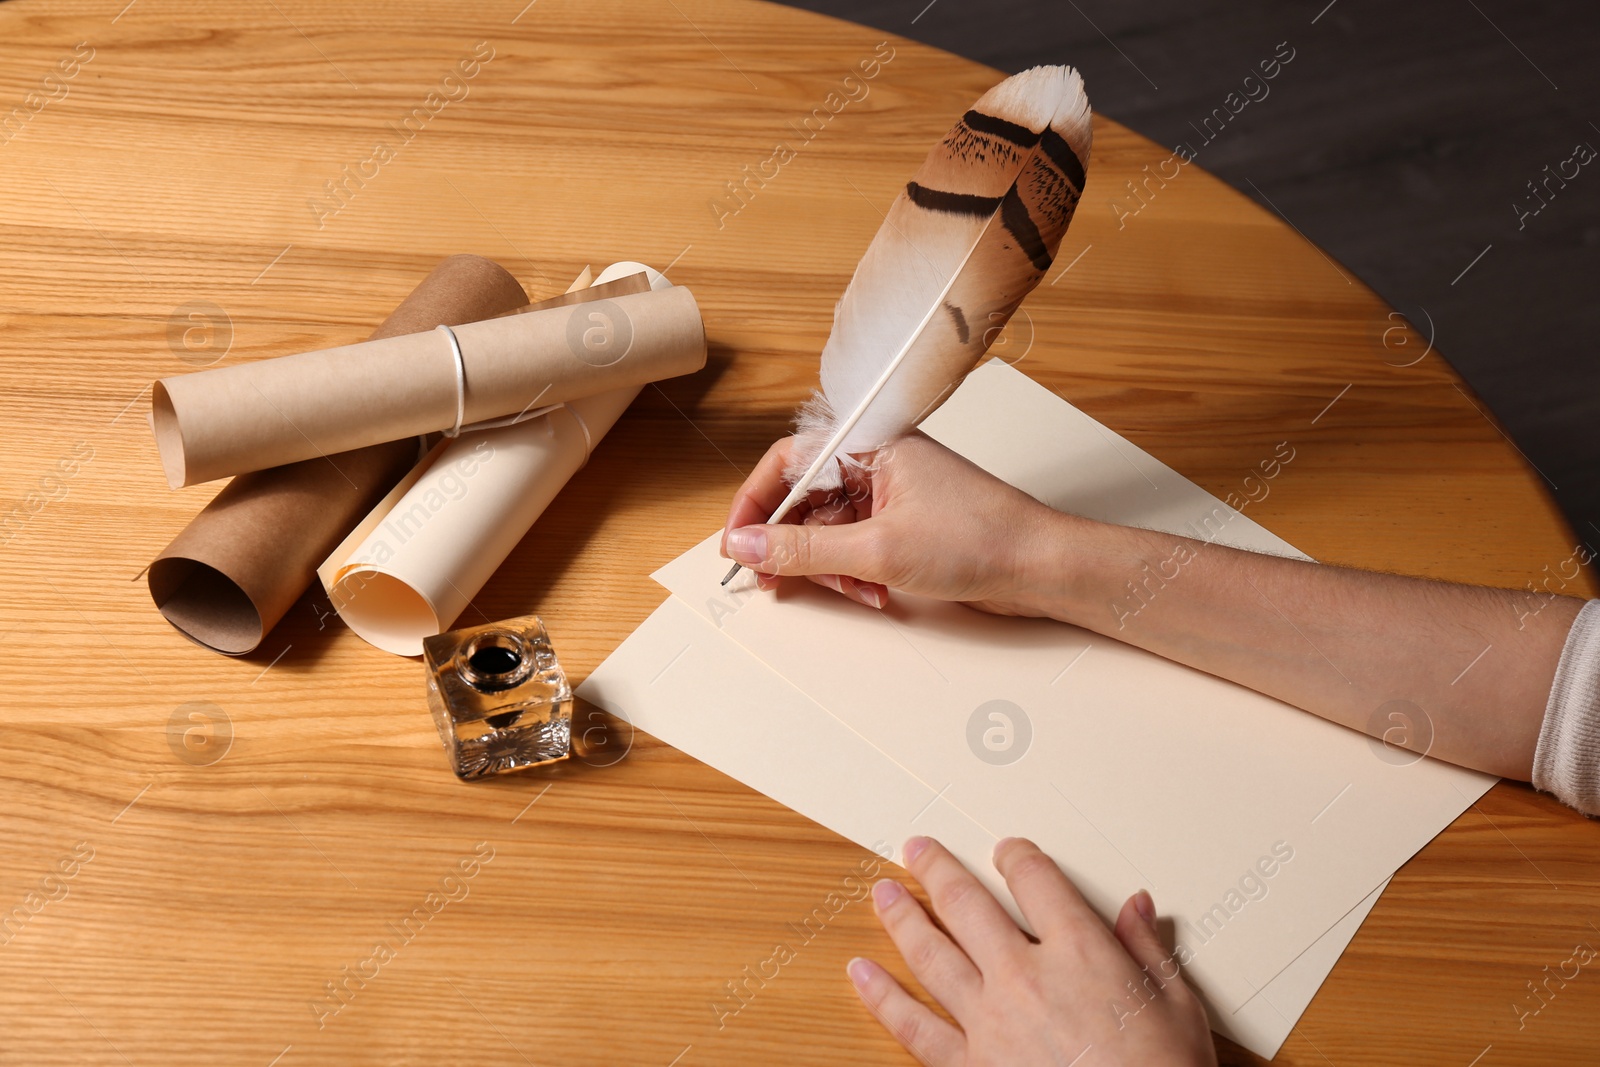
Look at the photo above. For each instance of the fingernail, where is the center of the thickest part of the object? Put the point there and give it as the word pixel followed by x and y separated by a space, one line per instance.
pixel 747 544
pixel 1002 844
pixel 914 848
pixel 873 597
pixel 885 892
pixel 832 582
pixel 860 972
pixel 1145 907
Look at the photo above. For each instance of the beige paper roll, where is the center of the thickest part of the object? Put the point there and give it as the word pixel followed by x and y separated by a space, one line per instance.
pixel 215 423
pixel 411 567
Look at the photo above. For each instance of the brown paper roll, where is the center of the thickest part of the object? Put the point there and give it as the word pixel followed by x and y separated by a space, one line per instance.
pixel 216 423
pixel 242 563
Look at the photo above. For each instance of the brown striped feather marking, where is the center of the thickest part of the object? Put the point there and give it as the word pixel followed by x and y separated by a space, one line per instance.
pixel 1019 247
pixel 974 165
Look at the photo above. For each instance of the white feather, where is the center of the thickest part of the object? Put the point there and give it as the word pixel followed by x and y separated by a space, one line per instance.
pixel 957 252
pixel 882 322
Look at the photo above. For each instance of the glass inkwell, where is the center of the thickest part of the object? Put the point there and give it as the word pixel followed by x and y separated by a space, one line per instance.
pixel 499 697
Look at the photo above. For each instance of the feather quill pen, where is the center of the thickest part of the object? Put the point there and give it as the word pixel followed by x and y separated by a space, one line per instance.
pixel 969 236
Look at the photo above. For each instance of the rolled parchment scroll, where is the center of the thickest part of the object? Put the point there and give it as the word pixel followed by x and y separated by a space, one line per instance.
pixel 233 572
pixel 407 571
pixel 229 420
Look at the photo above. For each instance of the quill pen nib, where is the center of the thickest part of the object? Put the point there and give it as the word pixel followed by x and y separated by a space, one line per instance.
pixel 731 573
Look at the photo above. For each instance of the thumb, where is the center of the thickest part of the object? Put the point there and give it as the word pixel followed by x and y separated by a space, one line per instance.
pixel 1136 929
pixel 788 549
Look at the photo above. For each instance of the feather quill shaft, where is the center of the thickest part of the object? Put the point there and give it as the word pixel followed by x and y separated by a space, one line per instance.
pixel 802 485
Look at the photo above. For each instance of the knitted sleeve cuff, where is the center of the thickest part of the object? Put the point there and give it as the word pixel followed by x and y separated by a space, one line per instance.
pixel 1566 761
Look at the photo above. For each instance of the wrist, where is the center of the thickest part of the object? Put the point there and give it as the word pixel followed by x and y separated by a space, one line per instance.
pixel 1058 564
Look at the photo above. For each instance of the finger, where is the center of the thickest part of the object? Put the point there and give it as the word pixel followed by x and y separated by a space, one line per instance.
pixel 1048 899
pixel 763 491
pixel 974 918
pixel 932 1040
pixel 788 549
pixel 872 594
pixel 835 509
pixel 1136 929
pixel 942 968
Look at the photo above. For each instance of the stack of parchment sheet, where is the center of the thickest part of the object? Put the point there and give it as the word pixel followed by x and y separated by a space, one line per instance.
pixel 1264 833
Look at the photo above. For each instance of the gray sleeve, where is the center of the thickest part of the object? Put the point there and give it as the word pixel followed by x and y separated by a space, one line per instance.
pixel 1566 761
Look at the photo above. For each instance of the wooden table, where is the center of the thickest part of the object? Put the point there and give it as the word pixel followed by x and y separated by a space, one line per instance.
pixel 185 159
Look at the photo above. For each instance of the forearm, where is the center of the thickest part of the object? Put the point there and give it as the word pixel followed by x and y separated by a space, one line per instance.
pixel 1337 642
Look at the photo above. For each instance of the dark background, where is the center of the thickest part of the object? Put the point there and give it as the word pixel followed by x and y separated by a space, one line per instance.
pixel 1399 139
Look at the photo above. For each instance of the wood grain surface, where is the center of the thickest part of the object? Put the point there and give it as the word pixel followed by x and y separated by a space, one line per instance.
pixel 184 164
